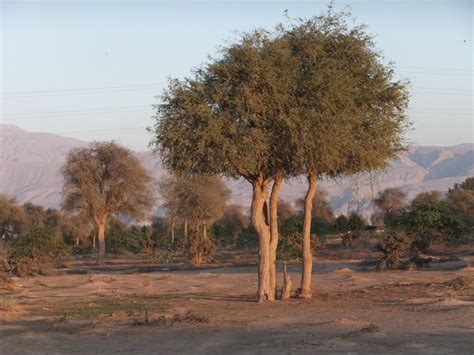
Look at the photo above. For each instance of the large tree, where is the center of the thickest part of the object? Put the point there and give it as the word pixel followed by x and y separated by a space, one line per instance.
pixel 351 110
pixel 310 99
pixel 105 179
pixel 230 118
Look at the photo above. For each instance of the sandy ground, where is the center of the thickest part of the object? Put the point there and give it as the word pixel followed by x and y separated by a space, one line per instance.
pixel 213 312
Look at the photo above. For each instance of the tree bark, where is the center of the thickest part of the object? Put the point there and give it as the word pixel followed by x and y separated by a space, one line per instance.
pixel 185 232
pixel 274 229
pixel 305 289
pixel 265 291
pixel 172 230
pixel 101 222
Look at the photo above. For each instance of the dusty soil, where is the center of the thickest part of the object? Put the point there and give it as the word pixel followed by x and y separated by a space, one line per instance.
pixel 213 311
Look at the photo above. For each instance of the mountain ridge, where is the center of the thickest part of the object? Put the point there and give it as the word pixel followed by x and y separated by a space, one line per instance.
pixel 31 163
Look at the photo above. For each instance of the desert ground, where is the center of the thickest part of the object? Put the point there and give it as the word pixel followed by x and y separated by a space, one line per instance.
pixel 125 308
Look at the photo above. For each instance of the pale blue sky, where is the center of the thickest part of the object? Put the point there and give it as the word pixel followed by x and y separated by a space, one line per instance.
pixel 50 48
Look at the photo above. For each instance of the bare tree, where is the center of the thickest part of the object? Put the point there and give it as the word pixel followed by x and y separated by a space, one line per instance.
pixel 103 180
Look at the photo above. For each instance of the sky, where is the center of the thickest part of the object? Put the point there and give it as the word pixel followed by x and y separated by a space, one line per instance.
pixel 92 69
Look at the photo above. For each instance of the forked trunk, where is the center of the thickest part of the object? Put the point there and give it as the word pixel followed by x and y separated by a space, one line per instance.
pixel 274 229
pixel 305 289
pixel 101 238
pixel 265 291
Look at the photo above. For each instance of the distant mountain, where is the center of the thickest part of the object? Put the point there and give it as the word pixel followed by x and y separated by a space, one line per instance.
pixel 30 164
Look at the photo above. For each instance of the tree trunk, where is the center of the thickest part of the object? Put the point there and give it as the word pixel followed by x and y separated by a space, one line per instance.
pixel 172 230
pixel 93 242
pixel 204 228
pixel 265 291
pixel 305 289
pixel 185 232
pixel 287 284
pixel 274 229
pixel 101 222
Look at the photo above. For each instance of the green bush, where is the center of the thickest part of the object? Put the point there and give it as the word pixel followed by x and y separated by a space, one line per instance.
pixel 38 245
pixel 290 244
pixel 131 240
pixel 430 221
pixel 247 238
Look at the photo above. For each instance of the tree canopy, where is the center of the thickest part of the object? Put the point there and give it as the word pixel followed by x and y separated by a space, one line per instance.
pixel 105 179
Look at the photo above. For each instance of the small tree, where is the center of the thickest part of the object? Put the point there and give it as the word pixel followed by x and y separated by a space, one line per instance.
pixel 341 224
pixel 197 200
pixel 104 180
pixel 12 216
pixel 389 204
pixel 321 209
pixel 461 198
pixel 285 210
pixel 228 227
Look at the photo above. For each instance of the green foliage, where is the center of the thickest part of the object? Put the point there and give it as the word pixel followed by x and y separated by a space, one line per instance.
pixel 38 245
pixel 129 239
pixel 227 228
pixel 247 238
pixel 393 247
pixel 290 245
pixel 275 102
pixel 356 222
pixel 430 221
pixel 341 224
pixel 461 199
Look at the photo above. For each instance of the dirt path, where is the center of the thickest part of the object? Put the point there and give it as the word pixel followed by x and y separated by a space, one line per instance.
pixel 204 312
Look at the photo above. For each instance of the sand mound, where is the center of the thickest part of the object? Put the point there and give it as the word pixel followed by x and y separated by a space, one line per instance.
pixel 460 282
pixel 344 269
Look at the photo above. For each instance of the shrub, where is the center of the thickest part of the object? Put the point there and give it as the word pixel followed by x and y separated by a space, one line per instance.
pixel 131 239
pixel 429 221
pixel 37 246
pixel 247 238
pixel 200 248
pixel 393 247
pixel 290 244
pixel 348 239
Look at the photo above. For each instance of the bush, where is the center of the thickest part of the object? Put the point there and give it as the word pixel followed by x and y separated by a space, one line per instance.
pixel 290 244
pixel 348 239
pixel 200 248
pixel 247 238
pixel 37 246
pixel 430 221
pixel 394 247
pixel 131 239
